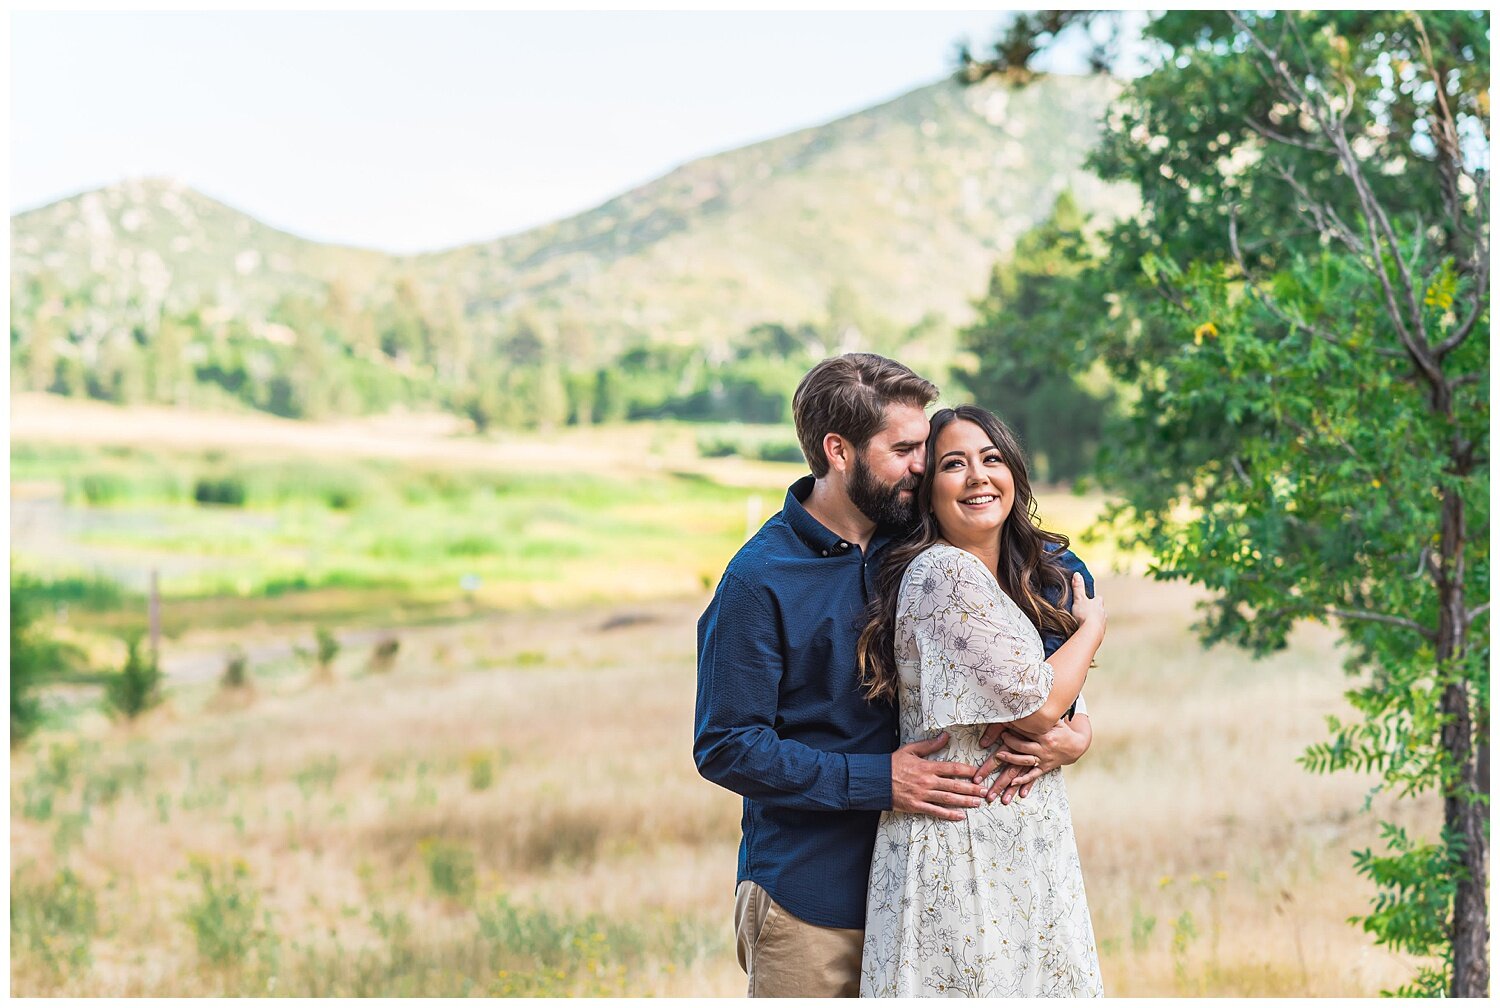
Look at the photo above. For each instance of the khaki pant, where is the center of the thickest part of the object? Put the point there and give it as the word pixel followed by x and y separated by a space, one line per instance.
pixel 784 956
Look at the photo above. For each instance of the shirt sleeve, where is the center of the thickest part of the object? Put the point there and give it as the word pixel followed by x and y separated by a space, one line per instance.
pixel 735 743
pixel 978 665
pixel 1079 707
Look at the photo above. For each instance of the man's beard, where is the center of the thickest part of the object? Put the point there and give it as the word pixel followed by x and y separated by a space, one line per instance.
pixel 882 503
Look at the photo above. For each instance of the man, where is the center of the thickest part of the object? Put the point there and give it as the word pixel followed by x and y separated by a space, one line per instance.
pixel 781 718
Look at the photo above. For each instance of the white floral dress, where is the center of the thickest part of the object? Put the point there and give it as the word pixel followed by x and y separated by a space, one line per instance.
pixel 992 906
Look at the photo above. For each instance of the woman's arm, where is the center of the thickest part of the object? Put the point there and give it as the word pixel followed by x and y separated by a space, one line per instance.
pixel 1070 663
pixel 1061 745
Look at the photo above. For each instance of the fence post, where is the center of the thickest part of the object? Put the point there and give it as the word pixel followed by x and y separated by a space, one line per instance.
pixel 155 617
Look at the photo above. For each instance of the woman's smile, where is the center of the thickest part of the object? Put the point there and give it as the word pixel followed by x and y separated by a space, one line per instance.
pixel 972 489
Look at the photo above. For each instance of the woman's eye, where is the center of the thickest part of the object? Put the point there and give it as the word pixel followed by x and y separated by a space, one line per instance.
pixel 994 458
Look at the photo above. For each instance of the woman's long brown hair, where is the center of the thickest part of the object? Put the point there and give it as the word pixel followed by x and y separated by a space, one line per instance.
pixel 1027 567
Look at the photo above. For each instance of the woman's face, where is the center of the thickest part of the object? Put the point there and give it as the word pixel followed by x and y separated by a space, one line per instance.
pixel 972 488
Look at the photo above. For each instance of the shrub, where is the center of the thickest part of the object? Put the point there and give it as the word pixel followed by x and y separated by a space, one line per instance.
pixel 53 918
pixel 223 915
pixel 236 668
pixel 780 451
pixel 383 658
pixel 35 658
pixel 137 688
pixel 450 867
pixel 31 659
pixel 227 490
pixel 327 650
pixel 481 771
pixel 101 489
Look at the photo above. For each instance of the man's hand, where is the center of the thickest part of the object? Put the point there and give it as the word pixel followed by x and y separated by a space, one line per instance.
pixel 929 787
pixel 1021 758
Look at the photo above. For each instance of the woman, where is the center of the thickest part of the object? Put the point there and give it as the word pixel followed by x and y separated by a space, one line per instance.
pixel 993 905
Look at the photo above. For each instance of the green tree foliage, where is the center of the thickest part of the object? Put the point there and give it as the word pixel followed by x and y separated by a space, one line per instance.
pixel 36 658
pixel 1030 33
pixel 1301 307
pixel 137 687
pixel 1028 336
pixel 33 658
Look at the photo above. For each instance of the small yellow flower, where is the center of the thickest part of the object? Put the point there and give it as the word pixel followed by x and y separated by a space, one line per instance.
pixel 1221 876
pixel 1164 881
pixel 1375 483
pixel 1206 331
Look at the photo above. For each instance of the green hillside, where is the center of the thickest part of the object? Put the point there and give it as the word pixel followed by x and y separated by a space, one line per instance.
pixel 685 296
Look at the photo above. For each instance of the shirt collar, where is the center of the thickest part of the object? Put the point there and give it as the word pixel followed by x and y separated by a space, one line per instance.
pixel 814 533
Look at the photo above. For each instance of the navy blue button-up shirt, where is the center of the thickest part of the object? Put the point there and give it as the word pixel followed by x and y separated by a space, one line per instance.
pixel 781 719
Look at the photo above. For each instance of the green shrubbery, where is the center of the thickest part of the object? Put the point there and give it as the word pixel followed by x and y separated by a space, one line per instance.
pixel 224 915
pixel 769 443
pixel 137 687
pixel 35 657
pixel 53 918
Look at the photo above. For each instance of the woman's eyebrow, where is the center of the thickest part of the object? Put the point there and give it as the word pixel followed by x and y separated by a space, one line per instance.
pixel 960 451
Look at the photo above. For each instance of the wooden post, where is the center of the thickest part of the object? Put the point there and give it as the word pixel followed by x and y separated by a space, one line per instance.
pixel 155 617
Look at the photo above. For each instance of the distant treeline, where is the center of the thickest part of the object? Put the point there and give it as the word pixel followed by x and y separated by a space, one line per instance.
pixel 324 354
pixel 312 357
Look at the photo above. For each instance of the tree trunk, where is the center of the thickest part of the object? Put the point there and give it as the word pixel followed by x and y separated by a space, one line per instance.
pixel 1466 799
pixel 1464 815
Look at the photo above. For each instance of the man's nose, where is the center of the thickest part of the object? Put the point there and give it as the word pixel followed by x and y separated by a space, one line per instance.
pixel 919 461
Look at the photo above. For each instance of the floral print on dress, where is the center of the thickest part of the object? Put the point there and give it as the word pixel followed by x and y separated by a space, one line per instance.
pixel 992 906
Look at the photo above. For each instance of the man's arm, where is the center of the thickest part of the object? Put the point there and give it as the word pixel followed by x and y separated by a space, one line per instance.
pixel 1060 745
pixel 736 745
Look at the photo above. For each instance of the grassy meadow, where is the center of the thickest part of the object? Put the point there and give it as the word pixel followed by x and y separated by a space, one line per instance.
pixel 507 805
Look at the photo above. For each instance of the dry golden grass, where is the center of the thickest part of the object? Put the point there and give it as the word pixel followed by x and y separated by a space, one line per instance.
pixel 547 762
pixel 513 809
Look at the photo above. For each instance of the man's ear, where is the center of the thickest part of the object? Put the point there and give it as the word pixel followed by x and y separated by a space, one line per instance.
pixel 840 453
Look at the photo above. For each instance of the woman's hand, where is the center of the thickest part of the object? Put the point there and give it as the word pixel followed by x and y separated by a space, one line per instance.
pixel 1089 612
pixel 1059 746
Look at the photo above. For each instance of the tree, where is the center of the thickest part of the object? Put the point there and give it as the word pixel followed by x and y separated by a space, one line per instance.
pixel 33 657
pixel 1031 33
pixel 1026 337
pixel 1302 305
pixel 137 687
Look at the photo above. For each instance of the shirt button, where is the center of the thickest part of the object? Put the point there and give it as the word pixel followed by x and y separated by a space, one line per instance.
pixel 843 545
pixel 825 552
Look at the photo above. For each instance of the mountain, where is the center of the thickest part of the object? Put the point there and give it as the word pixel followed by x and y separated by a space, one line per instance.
pixel 886 217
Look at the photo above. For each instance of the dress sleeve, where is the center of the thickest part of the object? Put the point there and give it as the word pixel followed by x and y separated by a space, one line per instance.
pixel 978 662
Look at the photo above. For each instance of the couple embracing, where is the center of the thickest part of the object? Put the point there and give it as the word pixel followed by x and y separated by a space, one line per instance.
pixel 889 673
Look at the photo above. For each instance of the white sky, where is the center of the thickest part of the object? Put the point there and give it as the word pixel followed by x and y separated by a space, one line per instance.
pixel 414 131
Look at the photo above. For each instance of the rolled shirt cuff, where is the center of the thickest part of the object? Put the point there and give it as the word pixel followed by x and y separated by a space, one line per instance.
pixel 869 780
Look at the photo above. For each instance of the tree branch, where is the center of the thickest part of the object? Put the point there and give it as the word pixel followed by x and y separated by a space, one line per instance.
pixel 1475 613
pixel 1462 332
pixel 1325 211
pixel 1377 224
pixel 1374 617
pixel 1270 306
pixel 1269 134
pixel 1354 615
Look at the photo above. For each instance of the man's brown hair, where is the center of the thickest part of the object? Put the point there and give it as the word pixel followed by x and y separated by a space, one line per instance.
pixel 847 395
